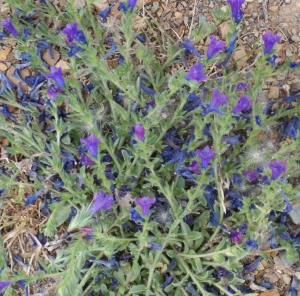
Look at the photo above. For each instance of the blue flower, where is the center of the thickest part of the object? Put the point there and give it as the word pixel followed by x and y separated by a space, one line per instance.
pixel 267 285
pixel 252 266
pixel 7 113
pixel 5 83
pixel 211 195
pixel 32 198
pixel 73 33
pixel 147 90
pixel 113 48
pixel 172 265
pixel 26 57
pixel 294 65
pixel 91 143
pixel 251 244
pixel 223 272
pixel 74 50
pixel 232 140
pixel 272 60
pixel 257 120
pixel 103 14
pixel 154 246
pixel 205 155
pixel 135 216
pixel 244 103
pixel 26 32
pixel 141 38
pixel 168 281
pixel 195 102
pixel 53 90
pixel 189 287
pixel 2 35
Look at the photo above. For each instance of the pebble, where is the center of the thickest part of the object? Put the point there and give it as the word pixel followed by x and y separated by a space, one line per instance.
pixel 47 58
pixel 3 67
pixel 4 53
pixel 155 7
pixel 254 15
pixel 296 38
pixel 296 283
pixel 286 278
pixel 273 92
pixel 287 1
pixel 23 73
pixel 178 15
pixel 295 213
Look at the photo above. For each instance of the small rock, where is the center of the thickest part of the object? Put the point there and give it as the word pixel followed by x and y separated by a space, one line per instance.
pixel 285 262
pixel 211 5
pixel 47 58
pixel 295 38
pixel 3 67
pixel 254 15
pixel 287 1
pixel 4 53
pixel 178 15
pixel 289 53
pixel 297 274
pixel 155 7
pixel 179 7
pixel 5 7
pixel 23 73
pixel 99 6
pixel 63 64
pixel 260 266
pixel 273 92
pixel 225 29
pixel 184 3
pixel 273 8
pixel 270 293
pixel 286 278
pixel 296 283
pixel 271 277
pixel 239 56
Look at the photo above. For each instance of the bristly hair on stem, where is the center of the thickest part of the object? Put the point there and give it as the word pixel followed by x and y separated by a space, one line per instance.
pixel 255 156
pixel 162 215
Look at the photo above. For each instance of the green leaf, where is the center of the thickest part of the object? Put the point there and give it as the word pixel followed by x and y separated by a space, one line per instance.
pixel 59 215
pixel 137 289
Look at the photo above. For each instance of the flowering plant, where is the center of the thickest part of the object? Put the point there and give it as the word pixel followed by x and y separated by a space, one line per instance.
pixel 155 183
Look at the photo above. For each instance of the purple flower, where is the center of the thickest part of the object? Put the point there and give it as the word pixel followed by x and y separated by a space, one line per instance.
pixel 113 48
pixel 32 198
pixel 269 39
pixel 244 103
pixel 242 86
pixel 243 227
pixel 251 244
pixel 56 75
pixel 251 175
pixel 236 236
pixel 218 98
pixel 74 50
pixel 205 155
pixel 196 73
pixel 194 167
pixel 223 272
pixel 5 284
pixel 85 160
pixel 101 201
pixel 73 33
pixel 236 11
pixel 131 4
pixel 139 131
pixel 145 203
pixel 26 32
pixel 214 47
pixel 91 143
pixel 288 207
pixel 189 47
pixel 7 24
pixel 277 167
pixel 53 90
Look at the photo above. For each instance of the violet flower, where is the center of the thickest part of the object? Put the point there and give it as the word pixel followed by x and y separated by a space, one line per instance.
pixel 190 48
pixel 53 90
pixel 214 47
pixel 205 155
pixel 244 103
pixel 85 160
pixel 2 35
pixel 236 12
pixel 135 216
pixel 218 98
pixel 196 73
pixel 272 60
pixel 277 167
pixel 194 167
pixel 26 32
pixel 236 236
pixel 270 39
pixel 131 4
pixel 5 284
pixel 257 120
pixel 91 143
pixel 74 50
pixel 145 203
pixel 168 281
pixel 241 86
pixel 251 175
pixel 101 201
pixel 73 33
pixel 56 75
pixel 288 207
pixel 139 131
pixel 7 24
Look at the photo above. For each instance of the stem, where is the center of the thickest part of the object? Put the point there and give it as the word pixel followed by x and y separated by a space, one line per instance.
pixel 203 255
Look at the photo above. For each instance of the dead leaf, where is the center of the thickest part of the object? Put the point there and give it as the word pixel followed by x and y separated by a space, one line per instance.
pixel 124 202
